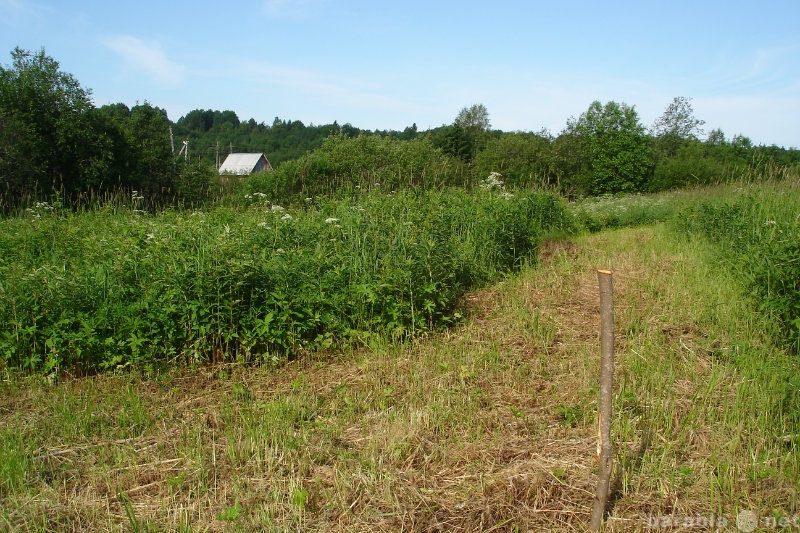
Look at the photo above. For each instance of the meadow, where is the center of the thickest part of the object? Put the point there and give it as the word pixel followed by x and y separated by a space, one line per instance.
pixel 416 360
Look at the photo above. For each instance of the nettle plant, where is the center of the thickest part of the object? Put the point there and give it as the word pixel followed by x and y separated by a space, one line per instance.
pixel 111 288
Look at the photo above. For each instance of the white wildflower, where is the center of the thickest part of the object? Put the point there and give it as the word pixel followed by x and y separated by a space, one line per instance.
pixel 263 225
pixel 287 216
pixel 770 223
pixel 492 181
pixel 277 209
pixel 331 220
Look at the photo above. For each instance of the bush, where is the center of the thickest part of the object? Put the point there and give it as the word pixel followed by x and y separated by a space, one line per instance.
pixel 367 162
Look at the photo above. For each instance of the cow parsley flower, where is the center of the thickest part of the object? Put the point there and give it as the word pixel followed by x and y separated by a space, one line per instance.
pixel 493 181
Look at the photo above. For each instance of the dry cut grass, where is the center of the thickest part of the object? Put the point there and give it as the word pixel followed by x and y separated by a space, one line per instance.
pixel 487 427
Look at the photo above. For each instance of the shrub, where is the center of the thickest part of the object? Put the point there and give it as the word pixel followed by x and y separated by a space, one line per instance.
pixel 344 165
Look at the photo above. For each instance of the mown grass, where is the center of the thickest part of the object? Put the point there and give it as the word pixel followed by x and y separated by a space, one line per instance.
pixel 488 425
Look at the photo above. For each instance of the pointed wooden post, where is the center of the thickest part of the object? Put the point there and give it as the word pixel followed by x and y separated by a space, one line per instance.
pixel 605 451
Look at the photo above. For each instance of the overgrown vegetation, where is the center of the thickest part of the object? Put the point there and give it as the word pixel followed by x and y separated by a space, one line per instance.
pixel 116 286
pixel 345 166
pixel 490 426
pixel 755 230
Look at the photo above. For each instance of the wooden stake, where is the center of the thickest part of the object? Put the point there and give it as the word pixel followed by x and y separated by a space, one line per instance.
pixel 605 451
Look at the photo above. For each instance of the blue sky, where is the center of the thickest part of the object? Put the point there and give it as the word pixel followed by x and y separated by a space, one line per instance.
pixel 385 65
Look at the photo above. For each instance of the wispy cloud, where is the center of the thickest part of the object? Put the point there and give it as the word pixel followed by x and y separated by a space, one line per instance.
pixel 147 56
pixel 292 9
pixel 312 83
pixel 13 10
pixel 761 71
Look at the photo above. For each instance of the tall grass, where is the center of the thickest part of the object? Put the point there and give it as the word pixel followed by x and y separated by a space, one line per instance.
pixel 756 232
pixel 116 286
pixel 599 213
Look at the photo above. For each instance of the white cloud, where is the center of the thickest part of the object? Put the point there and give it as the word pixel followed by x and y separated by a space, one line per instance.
pixel 336 91
pixel 147 56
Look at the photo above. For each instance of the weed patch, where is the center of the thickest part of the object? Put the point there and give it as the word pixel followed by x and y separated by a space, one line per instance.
pixel 114 288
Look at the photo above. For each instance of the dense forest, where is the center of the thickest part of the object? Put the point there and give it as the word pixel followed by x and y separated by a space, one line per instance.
pixel 55 143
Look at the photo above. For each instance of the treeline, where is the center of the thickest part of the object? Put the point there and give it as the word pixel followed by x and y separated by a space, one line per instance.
pixel 55 142
pixel 604 151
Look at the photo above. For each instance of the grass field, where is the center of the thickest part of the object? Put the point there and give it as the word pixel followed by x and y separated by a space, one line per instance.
pixel 487 426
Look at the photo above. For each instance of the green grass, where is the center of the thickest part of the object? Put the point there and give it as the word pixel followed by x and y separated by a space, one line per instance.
pixel 755 232
pixel 488 424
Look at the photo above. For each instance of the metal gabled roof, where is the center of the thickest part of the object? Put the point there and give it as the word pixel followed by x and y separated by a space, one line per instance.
pixel 241 163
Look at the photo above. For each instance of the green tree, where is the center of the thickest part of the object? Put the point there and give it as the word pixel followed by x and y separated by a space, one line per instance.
pixel 469 132
pixel 46 128
pixel 151 168
pixel 615 146
pixel 474 117
pixel 677 150
pixel 522 158
pixel 678 121
pixel 716 137
pixel 454 141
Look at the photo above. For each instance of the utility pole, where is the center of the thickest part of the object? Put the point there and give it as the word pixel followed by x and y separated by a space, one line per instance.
pixel 185 150
pixel 171 142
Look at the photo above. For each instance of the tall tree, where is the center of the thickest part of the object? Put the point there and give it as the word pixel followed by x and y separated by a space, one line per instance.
pixel 152 168
pixel 470 131
pixel 676 128
pixel 679 121
pixel 474 117
pixel 46 127
pixel 615 145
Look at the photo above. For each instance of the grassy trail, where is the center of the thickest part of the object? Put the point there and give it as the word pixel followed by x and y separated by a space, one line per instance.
pixel 487 427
